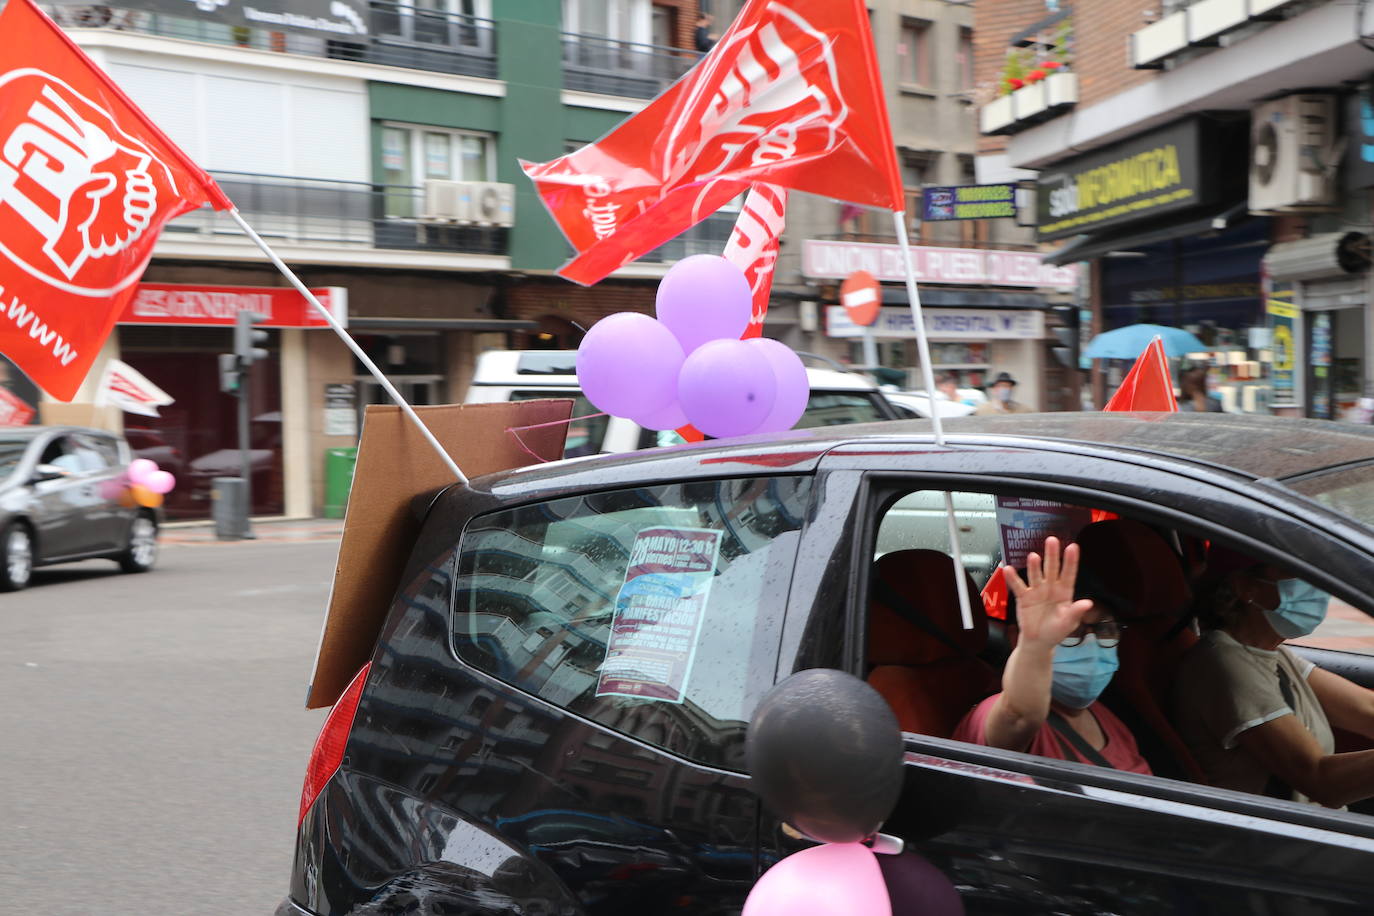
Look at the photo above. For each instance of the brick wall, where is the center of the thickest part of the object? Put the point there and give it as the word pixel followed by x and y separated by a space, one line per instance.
pixel 685 21
pixel 1100 46
pixel 554 303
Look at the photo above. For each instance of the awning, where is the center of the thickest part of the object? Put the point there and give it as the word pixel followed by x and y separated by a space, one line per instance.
pixel 1149 232
pixel 953 297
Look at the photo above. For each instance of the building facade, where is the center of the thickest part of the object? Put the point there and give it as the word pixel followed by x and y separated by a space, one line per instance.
pixel 375 146
pixel 1208 163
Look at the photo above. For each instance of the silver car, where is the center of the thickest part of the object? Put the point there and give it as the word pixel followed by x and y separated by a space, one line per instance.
pixel 64 496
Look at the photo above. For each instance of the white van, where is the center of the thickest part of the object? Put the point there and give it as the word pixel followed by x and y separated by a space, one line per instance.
pixel 520 375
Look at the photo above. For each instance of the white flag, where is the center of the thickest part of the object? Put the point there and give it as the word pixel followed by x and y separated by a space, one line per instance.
pixel 125 387
pixel 753 246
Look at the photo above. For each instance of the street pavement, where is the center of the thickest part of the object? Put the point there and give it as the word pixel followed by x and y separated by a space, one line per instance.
pixel 153 735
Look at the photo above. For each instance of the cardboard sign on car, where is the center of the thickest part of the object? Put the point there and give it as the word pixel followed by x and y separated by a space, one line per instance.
pixel 395 465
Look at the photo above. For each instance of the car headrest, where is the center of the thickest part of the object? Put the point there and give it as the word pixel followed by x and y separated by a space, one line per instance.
pixel 1136 566
pixel 915 586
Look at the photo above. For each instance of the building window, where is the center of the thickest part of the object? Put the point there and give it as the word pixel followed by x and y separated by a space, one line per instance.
pixel 413 154
pixel 914 52
pixel 966 59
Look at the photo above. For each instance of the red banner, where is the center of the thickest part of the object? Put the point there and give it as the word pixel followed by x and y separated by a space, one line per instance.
pixel 753 247
pixel 86 184
pixel 790 96
pixel 218 306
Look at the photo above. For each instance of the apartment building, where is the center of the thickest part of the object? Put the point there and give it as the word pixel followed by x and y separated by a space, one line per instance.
pixel 375 145
pixel 1210 162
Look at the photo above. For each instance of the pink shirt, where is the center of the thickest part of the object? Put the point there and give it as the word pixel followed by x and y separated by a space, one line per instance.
pixel 1120 750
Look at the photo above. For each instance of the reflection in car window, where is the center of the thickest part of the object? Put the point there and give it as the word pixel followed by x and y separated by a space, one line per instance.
pixel 1350 491
pixel 828 408
pixel 587 430
pixel 655 611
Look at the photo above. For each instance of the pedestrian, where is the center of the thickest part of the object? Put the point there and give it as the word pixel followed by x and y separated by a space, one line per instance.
pixel 1193 396
pixel 1000 398
pixel 948 385
pixel 703 39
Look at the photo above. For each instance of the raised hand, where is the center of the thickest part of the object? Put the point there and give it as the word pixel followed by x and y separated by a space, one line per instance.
pixel 1046 610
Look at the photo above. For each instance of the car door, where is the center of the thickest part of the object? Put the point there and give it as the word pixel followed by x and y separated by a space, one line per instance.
pixel 62 506
pixel 1019 833
pixel 105 518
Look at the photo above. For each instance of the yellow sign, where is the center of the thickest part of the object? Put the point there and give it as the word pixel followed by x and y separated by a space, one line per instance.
pixel 1283 348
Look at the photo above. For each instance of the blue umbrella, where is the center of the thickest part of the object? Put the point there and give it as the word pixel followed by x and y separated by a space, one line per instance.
pixel 1129 342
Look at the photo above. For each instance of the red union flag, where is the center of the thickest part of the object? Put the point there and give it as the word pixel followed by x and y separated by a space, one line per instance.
pixel 789 96
pixel 86 184
pixel 1149 385
pixel 753 247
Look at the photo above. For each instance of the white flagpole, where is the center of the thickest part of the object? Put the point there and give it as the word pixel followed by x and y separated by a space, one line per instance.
pixel 352 345
pixel 928 376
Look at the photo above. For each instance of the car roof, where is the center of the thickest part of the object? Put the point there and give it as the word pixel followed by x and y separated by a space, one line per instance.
pixel 556 368
pixel 32 432
pixel 1251 446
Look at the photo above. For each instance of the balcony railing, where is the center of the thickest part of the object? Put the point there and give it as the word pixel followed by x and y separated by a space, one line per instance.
pixel 399 35
pixel 604 65
pixel 312 211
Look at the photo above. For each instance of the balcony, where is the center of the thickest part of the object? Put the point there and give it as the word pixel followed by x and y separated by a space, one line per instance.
pixel 610 67
pixel 706 237
pixel 316 212
pixel 399 35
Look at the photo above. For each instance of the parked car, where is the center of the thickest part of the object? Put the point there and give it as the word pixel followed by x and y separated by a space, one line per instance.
pixel 915 405
pixel 837 398
pixel 528 675
pixel 63 497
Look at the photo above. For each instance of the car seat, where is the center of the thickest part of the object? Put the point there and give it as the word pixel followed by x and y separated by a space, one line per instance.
pixel 1147 577
pixel 923 661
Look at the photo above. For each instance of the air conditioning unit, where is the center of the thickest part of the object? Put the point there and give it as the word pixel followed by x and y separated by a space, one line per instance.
pixel 1293 154
pixel 447 202
pixel 493 203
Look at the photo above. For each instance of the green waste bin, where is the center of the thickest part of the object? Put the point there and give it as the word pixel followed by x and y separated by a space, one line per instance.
pixel 338 479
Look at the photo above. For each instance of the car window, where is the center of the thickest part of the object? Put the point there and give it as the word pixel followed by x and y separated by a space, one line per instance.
pixel 833 408
pixel 11 453
pixel 655 611
pixel 95 453
pixel 1349 491
pixel 61 452
pixel 587 430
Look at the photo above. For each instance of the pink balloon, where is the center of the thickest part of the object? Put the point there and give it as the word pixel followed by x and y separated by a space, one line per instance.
pixel 794 389
pixel 704 298
pixel 836 879
pixel 160 482
pixel 139 469
pixel 670 417
pixel 726 388
pixel 628 365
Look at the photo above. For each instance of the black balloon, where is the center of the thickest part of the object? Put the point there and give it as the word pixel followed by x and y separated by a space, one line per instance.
pixel 825 753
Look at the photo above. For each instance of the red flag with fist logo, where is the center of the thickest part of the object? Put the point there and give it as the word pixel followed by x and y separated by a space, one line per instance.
pixel 789 96
pixel 86 184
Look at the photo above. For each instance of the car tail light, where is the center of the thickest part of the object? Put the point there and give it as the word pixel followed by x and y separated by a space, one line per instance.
pixel 329 746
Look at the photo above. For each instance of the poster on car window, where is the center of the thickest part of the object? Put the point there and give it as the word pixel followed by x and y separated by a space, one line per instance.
pixel 1025 523
pixel 659 613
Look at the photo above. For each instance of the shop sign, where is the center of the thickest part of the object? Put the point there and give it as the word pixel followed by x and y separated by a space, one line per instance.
pixel 958 266
pixel 320 17
pixel 1282 314
pixel 218 306
pixel 1146 176
pixel 340 410
pixel 972 201
pixel 1359 149
pixel 943 324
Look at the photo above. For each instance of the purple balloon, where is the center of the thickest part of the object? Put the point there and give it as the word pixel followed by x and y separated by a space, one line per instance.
pixel 670 417
pixel 794 388
pixel 703 298
pixel 160 482
pixel 726 388
pixel 139 469
pixel 628 365
pixel 834 879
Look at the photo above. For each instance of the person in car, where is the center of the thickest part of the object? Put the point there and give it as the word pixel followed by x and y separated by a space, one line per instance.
pixel 1064 658
pixel 1257 717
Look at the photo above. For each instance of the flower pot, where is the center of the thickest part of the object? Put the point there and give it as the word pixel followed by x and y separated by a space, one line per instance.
pixel 1029 102
pixel 995 115
pixel 1061 89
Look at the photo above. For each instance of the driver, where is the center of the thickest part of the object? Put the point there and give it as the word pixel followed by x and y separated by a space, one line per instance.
pixel 1257 717
pixel 1063 660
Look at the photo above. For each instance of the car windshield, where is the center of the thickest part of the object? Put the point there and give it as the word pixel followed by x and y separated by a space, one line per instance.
pixel 11 452
pixel 832 408
pixel 1349 491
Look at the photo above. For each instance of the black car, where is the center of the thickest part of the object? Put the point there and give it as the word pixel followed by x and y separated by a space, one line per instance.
pixel 523 743
pixel 64 496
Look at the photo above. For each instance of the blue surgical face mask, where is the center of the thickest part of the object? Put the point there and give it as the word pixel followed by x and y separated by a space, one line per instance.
pixel 1302 607
pixel 1082 672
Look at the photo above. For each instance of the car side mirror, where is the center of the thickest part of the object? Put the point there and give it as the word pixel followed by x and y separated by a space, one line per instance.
pixel 48 472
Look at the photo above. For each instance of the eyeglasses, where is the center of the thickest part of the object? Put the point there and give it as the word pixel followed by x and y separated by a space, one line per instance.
pixel 1108 633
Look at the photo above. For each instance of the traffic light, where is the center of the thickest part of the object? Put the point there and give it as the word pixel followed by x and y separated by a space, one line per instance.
pixel 1067 333
pixel 230 379
pixel 247 338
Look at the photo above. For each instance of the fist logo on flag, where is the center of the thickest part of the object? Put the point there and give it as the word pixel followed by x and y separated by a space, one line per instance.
pixel 81 188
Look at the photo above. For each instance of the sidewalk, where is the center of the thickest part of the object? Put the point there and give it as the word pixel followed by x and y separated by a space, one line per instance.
pixel 271 530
